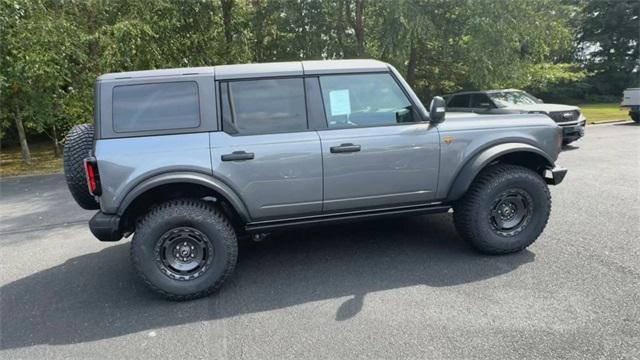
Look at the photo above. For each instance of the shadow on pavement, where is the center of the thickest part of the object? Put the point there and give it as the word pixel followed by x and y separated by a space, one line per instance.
pixel 97 296
pixel 36 202
pixel 569 147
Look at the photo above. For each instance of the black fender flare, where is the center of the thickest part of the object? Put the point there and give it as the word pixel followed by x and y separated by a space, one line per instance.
pixel 187 177
pixel 473 166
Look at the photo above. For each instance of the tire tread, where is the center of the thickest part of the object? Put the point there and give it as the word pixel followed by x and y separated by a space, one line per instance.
pixel 464 213
pixel 189 207
pixel 78 145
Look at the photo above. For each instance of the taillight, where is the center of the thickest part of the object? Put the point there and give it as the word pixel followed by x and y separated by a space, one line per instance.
pixel 93 177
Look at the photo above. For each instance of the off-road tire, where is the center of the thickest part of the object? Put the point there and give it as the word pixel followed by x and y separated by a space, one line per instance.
pixel 472 214
pixel 200 215
pixel 77 147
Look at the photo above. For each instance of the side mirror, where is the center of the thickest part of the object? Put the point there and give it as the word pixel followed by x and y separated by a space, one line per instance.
pixel 485 105
pixel 437 109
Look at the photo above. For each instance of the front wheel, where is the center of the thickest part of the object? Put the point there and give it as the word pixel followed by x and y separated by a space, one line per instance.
pixel 505 209
pixel 184 249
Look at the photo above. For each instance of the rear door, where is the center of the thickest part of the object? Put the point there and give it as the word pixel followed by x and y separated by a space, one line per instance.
pixel 266 151
pixel 376 150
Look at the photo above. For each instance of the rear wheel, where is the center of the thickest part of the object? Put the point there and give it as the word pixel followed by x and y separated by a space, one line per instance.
pixel 184 249
pixel 505 209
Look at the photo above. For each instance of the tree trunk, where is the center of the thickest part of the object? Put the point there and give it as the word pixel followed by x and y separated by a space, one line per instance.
pixel 26 155
pixel 258 25
pixel 411 66
pixel 358 27
pixel 227 7
pixel 343 14
pixel 56 142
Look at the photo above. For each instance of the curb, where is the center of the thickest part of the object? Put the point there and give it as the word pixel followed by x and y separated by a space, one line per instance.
pixel 609 122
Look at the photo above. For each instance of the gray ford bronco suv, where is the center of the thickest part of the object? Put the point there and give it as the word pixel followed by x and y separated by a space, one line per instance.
pixel 188 160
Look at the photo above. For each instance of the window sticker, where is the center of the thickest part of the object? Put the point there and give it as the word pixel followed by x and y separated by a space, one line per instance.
pixel 340 103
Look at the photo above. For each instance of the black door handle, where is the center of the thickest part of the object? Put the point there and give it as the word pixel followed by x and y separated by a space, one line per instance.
pixel 237 155
pixel 345 148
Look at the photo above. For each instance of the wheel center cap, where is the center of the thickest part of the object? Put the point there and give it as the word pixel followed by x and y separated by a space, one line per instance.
pixel 185 251
pixel 507 210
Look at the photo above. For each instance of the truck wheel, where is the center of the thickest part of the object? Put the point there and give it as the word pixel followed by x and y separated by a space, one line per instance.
pixel 635 116
pixel 505 209
pixel 184 249
pixel 78 146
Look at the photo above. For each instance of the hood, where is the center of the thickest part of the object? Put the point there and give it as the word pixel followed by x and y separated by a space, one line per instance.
pixel 547 108
pixel 455 121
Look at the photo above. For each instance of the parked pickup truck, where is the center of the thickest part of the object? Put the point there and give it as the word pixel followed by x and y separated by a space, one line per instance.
pixel 513 101
pixel 631 99
pixel 188 160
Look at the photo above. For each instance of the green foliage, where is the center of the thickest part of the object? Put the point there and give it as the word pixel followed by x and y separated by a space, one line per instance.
pixel 51 51
pixel 610 44
pixel 40 53
pixel 476 44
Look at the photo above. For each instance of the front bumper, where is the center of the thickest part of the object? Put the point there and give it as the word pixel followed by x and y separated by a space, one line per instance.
pixel 105 227
pixel 555 176
pixel 573 132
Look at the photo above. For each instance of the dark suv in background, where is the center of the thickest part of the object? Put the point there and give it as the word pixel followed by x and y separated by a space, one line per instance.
pixel 513 101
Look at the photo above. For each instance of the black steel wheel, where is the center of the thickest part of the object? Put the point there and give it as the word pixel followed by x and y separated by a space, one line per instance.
pixel 511 212
pixel 184 249
pixel 505 209
pixel 184 253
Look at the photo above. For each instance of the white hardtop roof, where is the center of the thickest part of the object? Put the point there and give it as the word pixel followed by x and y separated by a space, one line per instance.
pixel 239 71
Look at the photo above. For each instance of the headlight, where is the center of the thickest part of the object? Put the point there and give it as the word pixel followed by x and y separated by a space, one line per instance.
pixel 537 112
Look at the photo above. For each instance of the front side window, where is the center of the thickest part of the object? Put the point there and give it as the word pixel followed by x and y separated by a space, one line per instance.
pixel 159 106
pixel 365 100
pixel 481 101
pixel 263 106
pixel 506 98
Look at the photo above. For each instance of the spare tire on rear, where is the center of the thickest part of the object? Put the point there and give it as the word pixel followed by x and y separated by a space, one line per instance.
pixel 77 147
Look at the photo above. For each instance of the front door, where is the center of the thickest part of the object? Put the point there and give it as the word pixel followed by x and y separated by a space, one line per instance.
pixel 266 152
pixel 377 151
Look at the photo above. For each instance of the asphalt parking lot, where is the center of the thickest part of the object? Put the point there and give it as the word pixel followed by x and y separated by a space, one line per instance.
pixel 407 288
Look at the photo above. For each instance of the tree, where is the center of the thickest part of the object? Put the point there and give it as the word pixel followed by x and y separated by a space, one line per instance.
pixel 51 51
pixel 38 68
pixel 610 44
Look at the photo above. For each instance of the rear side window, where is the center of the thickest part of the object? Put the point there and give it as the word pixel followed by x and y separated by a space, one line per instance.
pixel 365 100
pixel 460 101
pixel 263 106
pixel 159 106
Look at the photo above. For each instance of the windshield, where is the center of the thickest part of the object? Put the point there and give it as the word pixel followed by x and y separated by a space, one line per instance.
pixel 505 98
